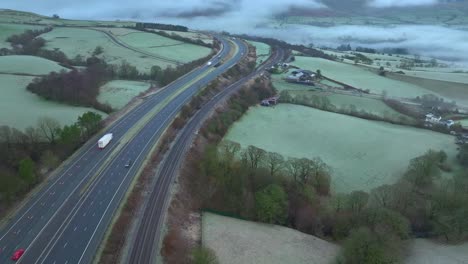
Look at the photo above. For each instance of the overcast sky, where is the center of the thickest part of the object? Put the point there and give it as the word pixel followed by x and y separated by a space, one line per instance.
pixel 248 16
pixel 150 9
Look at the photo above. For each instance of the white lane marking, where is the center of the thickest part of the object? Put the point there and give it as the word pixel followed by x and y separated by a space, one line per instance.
pixel 74 229
pixel 66 243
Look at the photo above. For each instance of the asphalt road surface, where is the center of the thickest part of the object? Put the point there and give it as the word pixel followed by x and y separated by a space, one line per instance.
pixel 64 222
pixel 145 245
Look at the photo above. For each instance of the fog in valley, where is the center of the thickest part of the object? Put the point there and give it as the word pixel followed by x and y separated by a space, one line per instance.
pixel 257 18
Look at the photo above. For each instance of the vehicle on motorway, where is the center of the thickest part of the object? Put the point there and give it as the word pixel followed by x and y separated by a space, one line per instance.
pixel 104 141
pixel 17 255
pixel 209 63
pixel 128 164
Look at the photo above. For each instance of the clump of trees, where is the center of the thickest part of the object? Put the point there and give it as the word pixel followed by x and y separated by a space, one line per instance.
pixel 420 204
pixel 26 156
pixel 74 87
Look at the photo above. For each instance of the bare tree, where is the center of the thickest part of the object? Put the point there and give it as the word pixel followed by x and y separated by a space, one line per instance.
pixel 33 135
pixel 382 196
pixel 293 166
pixel 255 157
pixel 229 149
pixel 49 128
pixel 275 162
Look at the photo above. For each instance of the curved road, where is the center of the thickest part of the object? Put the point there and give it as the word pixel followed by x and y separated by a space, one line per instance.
pixel 144 249
pixel 48 214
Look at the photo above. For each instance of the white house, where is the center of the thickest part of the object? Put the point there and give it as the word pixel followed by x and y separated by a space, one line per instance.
pixel 430 118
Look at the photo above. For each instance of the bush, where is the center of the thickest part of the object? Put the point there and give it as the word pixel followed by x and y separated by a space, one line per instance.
pixel 271 203
pixel 204 255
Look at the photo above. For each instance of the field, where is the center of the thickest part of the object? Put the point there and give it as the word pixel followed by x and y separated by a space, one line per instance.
pixel 360 77
pixel 19 64
pixel 263 51
pixel 452 91
pixel 6 30
pixel 159 45
pixel 422 251
pixel 237 242
pixel 20 108
pixel 118 93
pixel 13 16
pixel 342 101
pixel 77 41
pixel 362 154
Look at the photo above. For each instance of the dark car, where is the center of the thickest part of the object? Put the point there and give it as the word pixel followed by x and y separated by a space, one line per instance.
pixel 128 164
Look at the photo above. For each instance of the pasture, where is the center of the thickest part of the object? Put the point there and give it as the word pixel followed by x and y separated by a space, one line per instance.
pixel 237 242
pixel 80 41
pixel 362 154
pixel 360 77
pixel 263 51
pixel 20 108
pixel 118 93
pixel 23 64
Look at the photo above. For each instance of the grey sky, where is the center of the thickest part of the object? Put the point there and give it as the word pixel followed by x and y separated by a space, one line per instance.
pixel 151 9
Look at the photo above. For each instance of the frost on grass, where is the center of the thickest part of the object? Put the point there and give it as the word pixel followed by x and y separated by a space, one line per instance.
pixel 360 78
pixel 237 242
pixel 20 108
pixel 363 154
pixel 423 251
pixel 23 64
pixel 118 93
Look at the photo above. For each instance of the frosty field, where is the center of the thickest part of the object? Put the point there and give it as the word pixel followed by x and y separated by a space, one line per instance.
pixel 78 41
pixel 22 64
pixel 342 101
pixel 6 30
pixel 118 93
pixel 20 108
pixel 362 154
pixel 166 47
pixel 360 77
pixel 237 242
pixel 263 51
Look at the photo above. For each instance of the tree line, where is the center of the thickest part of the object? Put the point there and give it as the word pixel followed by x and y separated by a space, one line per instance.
pixel 161 26
pixel 27 156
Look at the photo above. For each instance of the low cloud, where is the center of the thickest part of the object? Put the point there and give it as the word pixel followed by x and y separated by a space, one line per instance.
pixel 400 3
pixel 245 10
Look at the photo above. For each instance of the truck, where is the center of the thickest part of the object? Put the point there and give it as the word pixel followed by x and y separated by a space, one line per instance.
pixel 104 140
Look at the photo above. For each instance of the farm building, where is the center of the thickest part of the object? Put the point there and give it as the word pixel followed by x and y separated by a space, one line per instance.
pixel 301 76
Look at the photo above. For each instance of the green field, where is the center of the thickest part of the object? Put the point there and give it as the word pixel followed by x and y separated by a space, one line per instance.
pixel 342 101
pixel 20 108
pixel 238 242
pixel 22 64
pixel 159 45
pixel 363 154
pixel 6 30
pixel 78 41
pixel 451 91
pixel 263 51
pixel 360 77
pixel 118 93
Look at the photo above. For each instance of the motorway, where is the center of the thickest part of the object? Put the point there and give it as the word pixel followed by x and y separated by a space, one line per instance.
pixel 64 222
pixel 146 241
